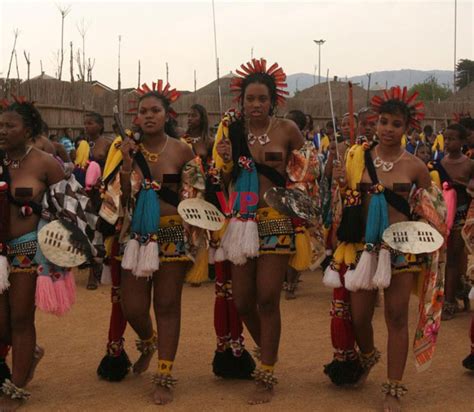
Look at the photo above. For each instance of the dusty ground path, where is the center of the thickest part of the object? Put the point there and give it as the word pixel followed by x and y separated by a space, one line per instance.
pixel 66 379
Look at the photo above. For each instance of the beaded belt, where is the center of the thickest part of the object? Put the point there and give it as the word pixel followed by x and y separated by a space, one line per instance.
pixel 27 248
pixel 170 234
pixel 282 226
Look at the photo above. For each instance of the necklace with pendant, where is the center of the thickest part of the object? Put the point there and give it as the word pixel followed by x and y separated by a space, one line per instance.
pixel 150 156
pixel 386 166
pixel 15 164
pixel 262 139
pixel 192 140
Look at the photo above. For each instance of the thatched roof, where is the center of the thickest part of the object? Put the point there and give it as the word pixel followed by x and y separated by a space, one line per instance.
pixel 466 94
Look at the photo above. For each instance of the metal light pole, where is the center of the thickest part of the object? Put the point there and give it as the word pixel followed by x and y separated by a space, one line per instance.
pixel 217 59
pixel 455 29
pixel 319 43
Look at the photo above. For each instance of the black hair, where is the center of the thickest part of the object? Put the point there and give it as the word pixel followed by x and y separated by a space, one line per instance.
pixel 330 124
pixel 29 114
pixel 45 128
pixel 204 124
pixel 428 129
pixel 97 117
pixel 169 125
pixel 393 106
pixel 265 79
pixel 298 117
pixel 309 120
pixel 467 122
pixel 462 131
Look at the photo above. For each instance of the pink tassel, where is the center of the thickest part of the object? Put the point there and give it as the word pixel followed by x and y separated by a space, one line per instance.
pixel 383 274
pixel 130 255
pixel 45 296
pixel 93 174
pixel 361 277
pixel 4 273
pixel 450 198
pixel 70 283
pixel 62 297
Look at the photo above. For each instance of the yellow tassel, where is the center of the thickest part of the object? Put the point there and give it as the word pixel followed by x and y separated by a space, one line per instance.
pixel 108 242
pixel 82 154
pixel 199 272
pixel 114 157
pixel 302 258
pixel 222 133
pixel 350 254
pixel 339 253
pixel 355 165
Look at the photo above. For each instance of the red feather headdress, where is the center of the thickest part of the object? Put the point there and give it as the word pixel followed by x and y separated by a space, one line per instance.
pixel 171 95
pixel 4 103
pixel 396 93
pixel 459 116
pixel 275 72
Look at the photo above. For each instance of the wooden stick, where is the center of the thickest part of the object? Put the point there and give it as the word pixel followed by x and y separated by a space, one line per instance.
pixel 351 114
pixel 332 116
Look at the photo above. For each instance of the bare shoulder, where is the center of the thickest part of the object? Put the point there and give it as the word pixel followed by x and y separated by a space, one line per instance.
pixel 181 148
pixel 289 128
pixel 51 168
pixel 415 162
pixel 287 125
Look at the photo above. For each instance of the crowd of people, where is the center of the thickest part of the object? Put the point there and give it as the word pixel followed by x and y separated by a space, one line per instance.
pixel 118 195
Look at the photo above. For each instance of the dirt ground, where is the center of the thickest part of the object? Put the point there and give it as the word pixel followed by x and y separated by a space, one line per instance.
pixel 66 379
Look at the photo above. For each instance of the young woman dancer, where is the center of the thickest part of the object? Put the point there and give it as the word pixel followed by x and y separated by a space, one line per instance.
pixel 32 188
pixel 257 151
pixel 155 174
pixel 383 184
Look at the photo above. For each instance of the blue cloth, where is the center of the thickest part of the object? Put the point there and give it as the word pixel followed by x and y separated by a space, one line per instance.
pixel 67 143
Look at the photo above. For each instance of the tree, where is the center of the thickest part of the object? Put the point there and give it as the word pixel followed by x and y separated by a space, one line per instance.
pixel 64 10
pixel 430 89
pixel 464 73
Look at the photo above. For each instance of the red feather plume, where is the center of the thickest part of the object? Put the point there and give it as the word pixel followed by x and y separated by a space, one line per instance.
pixel 260 66
pixel 171 95
pixel 396 93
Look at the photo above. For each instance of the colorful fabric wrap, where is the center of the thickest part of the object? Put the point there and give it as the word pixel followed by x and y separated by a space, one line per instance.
pixel 303 171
